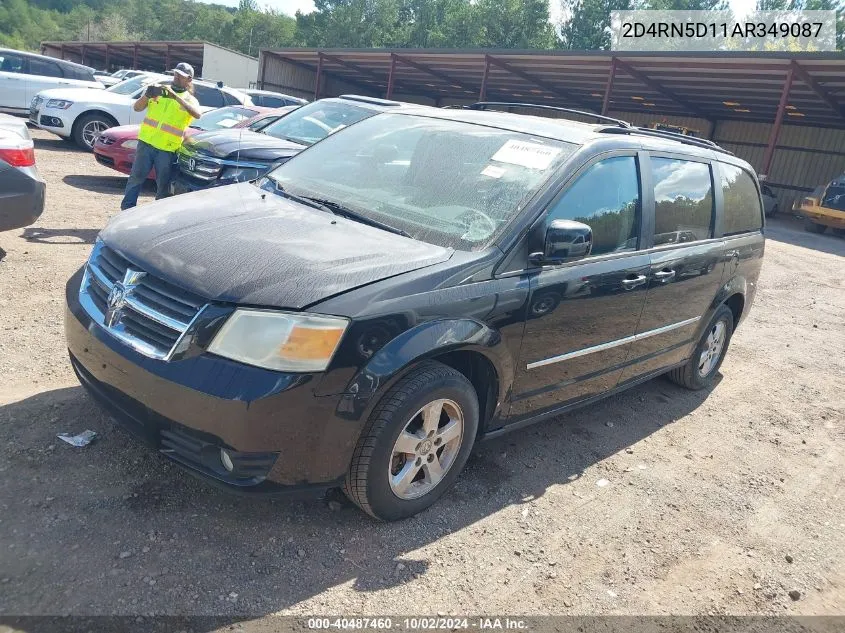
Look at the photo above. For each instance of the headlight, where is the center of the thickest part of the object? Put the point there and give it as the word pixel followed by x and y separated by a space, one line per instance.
pixel 279 340
pixel 130 144
pixel 241 174
pixel 60 104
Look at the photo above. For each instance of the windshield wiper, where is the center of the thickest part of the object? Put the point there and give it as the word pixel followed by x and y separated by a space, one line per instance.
pixel 339 209
pixel 334 208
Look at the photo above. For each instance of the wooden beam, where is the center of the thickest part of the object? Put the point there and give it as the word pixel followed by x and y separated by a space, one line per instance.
pixel 319 76
pixel 660 88
pixel 390 77
pixel 303 65
pixel 539 82
pixel 167 58
pixel 370 73
pixel 482 94
pixel 773 135
pixel 135 58
pixel 605 104
pixel 821 93
pixel 107 68
pixel 263 69
pixel 454 83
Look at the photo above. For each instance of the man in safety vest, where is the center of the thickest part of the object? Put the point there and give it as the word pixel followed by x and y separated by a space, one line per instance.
pixel 170 109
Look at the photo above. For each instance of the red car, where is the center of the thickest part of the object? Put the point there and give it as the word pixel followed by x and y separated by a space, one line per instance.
pixel 115 147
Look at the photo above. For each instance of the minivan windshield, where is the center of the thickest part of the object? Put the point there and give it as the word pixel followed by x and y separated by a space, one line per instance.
pixel 315 121
pixel 449 183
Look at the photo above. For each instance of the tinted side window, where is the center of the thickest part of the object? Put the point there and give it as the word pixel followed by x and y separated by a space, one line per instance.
pixel 230 99
pixel 273 102
pixel 44 68
pixel 11 63
pixel 261 123
pixel 742 204
pixel 81 75
pixel 209 97
pixel 683 201
pixel 607 199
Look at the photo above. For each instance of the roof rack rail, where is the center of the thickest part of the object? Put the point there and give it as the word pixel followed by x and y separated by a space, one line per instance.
pixel 481 105
pixel 674 136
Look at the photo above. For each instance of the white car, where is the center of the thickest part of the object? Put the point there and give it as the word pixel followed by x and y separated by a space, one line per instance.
pixel 24 75
pixel 81 115
pixel 770 201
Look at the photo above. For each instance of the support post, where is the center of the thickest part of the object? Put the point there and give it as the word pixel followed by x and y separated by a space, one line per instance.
pixel 63 51
pixel 83 55
pixel 260 82
pixel 390 76
pixel 319 76
pixel 167 58
pixel 605 104
pixel 135 58
pixel 482 94
pixel 107 68
pixel 773 135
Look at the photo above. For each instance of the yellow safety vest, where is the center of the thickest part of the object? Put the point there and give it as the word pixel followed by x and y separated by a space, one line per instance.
pixel 165 122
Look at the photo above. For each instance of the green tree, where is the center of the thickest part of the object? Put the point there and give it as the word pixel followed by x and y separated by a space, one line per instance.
pixel 588 23
pixel 514 24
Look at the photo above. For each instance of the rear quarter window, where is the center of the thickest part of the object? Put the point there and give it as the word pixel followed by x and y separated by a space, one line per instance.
pixel 743 212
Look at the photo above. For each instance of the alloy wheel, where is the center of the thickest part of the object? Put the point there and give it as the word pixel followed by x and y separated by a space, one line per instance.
pixel 92 130
pixel 426 449
pixel 713 349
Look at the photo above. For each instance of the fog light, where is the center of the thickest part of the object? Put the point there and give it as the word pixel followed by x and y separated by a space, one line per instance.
pixel 226 460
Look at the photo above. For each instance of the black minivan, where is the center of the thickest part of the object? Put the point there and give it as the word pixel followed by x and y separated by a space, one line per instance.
pixel 423 279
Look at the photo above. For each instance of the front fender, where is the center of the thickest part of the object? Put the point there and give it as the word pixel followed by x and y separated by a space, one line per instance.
pixel 413 346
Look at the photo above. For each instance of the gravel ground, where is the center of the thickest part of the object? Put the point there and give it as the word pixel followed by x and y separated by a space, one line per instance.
pixel 715 502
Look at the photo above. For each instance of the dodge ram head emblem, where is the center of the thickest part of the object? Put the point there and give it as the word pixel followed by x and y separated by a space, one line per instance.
pixel 119 293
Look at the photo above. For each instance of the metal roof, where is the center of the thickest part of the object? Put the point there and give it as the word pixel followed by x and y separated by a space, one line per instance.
pixel 714 86
pixel 140 54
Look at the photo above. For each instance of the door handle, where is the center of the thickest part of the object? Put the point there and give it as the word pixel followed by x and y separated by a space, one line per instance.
pixel 664 275
pixel 630 282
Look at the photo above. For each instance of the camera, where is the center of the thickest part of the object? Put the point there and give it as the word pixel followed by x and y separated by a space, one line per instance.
pixel 154 91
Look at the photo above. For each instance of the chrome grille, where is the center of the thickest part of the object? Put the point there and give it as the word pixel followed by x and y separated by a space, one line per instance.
pixel 199 166
pixel 148 313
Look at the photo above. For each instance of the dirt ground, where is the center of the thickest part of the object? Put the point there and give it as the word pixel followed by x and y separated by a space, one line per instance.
pixel 718 502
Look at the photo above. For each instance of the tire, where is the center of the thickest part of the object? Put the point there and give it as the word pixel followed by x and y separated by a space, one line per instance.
pixel 86 125
pixel 814 227
pixel 691 375
pixel 372 483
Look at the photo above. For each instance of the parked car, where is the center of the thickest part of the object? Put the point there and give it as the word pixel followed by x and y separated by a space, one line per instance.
pixel 265 119
pixel 770 201
pixel 115 147
pixel 825 208
pixel 107 79
pixel 23 75
pixel 359 317
pixel 82 116
pixel 270 99
pixel 127 73
pixel 212 159
pixel 21 187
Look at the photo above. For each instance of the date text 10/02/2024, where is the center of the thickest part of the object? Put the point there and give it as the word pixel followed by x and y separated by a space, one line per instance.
pixel 418 624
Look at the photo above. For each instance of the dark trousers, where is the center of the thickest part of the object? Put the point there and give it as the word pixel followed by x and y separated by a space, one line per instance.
pixel 147 157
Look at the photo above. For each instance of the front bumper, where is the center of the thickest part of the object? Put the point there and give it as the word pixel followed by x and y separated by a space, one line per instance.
pixel 49 122
pixel 822 215
pixel 282 438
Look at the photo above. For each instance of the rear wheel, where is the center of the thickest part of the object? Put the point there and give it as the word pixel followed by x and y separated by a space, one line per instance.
pixel 700 370
pixel 88 127
pixel 415 443
pixel 814 227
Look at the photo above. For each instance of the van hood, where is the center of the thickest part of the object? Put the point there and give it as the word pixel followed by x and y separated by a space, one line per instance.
pixel 240 244
pixel 244 144
pixel 86 94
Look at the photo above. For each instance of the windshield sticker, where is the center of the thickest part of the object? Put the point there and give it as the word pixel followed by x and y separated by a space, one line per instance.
pixel 531 155
pixel 493 172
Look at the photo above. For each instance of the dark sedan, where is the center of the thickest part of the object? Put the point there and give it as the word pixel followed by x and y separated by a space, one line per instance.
pixel 224 157
pixel 22 190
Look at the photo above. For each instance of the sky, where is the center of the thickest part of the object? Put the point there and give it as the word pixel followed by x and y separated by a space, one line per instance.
pixel 740 7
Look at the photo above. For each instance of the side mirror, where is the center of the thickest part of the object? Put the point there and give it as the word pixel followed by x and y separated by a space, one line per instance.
pixel 219 84
pixel 566 241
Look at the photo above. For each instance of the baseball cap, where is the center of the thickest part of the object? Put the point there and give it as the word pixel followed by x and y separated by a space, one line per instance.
pixel 186 70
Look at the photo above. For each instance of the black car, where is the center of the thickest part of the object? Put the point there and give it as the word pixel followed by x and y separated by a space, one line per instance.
pixel 426 278
pixel 223 157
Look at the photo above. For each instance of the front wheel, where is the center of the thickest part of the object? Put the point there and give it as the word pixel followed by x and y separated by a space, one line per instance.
pixel 700 370
pixel 88 128
pixel 415 444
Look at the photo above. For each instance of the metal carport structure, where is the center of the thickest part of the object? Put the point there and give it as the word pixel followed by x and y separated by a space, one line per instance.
pixel 784 112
